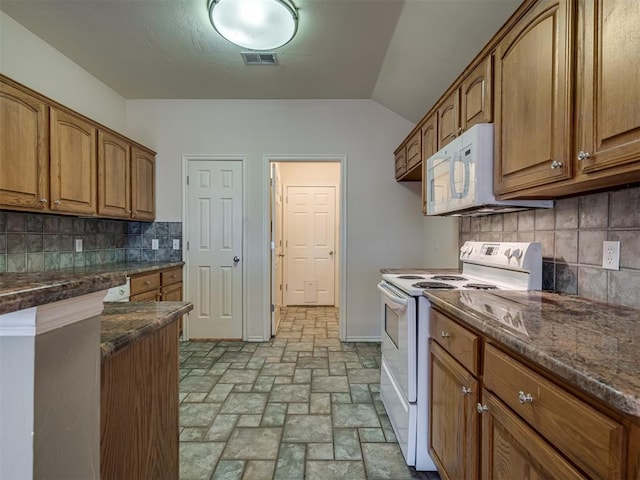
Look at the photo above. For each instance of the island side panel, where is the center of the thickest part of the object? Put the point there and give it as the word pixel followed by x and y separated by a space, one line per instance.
pixel 139 409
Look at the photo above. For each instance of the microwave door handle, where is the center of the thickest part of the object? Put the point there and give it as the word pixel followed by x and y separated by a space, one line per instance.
pixel 452 166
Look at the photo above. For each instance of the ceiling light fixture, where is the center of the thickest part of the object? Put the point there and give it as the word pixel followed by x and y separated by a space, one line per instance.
pixel 255 24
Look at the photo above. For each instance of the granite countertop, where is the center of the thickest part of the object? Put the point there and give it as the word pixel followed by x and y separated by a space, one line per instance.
pixel 124 323
pixel 591 345
pixel 25 290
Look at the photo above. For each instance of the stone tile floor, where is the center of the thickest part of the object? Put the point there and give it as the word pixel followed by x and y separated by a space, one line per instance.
pixel 301 406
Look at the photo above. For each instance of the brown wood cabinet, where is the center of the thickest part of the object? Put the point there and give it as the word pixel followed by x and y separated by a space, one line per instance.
pixel 608 90
pixel 401 160
pixel 114 175
pixel 429 131
pixel 511 449
pixel 24 158
pixel 72 163
pixel 171 285
pixel 145 287
pixel 143 189
pixel 533 99
pixel 449 118
pixel 476 95
pixel 525 424
pixel 58 161
pixel 139 409
pixel 454 422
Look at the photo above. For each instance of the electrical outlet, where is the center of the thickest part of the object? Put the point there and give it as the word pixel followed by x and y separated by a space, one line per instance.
pixel 611 255
pixel 154 244
pixel 176 244
pixel 78 244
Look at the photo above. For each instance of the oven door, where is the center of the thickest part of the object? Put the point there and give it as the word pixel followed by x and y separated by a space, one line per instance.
pixel 399 338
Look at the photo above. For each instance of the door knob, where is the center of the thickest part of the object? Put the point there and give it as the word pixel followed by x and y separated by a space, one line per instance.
pixel 330 252
pixel 236 259
pixel 281 254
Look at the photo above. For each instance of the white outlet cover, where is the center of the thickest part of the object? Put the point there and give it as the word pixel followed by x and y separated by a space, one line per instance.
pixel 611 255
pixel 154 244
pixel 176 244
pixel 78 244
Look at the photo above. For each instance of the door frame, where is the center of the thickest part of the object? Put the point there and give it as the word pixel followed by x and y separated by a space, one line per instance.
pixel 185 230
pixel 266 234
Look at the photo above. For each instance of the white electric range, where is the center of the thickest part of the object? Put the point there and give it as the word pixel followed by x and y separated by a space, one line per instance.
pixel 404 374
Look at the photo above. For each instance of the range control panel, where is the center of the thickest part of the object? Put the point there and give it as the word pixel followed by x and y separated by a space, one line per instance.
pixel 520 255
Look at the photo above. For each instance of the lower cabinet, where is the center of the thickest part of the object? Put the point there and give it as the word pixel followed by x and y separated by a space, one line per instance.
pixel 524 424
pixel 139 409
pixel 145 287
pixel 454 421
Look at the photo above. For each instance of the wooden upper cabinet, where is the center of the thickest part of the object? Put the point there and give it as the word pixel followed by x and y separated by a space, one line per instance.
pixel 143 187
pixel 114 175
pixel 72 164
pixel 414 150
pixel 476 95
pixel 449 119
pixel 24 156
pixel 533 99
pixel 429 147
pixel 401 160
pixel 608 93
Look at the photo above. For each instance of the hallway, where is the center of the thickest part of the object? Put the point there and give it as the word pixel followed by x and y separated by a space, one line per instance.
pixel 301 406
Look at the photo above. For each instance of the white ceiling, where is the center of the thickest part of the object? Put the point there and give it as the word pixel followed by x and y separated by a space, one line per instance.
pixel 400 53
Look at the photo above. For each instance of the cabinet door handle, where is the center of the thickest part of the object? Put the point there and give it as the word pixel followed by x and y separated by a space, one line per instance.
pixel 460 130
pixel 481 408
pixel 56 202
pixel 445 334
pixel 583 155
pixel 43 200
pixel 556 164
pixel 453 135
pixel 466 390
pixel 525 397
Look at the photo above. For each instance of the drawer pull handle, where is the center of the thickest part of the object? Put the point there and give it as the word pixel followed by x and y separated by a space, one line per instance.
pixel 466 390
pixel 556 164
pixel 481 408
pixel 525 397
pixel 445 334
pixel 148 282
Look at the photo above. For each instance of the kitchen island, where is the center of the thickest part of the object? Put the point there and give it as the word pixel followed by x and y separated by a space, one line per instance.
pixel 51 352
pixel 552 384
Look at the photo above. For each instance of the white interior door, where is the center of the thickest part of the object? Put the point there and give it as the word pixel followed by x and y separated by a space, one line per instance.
pixel 310 224
pixel 277 251
pixel 215 248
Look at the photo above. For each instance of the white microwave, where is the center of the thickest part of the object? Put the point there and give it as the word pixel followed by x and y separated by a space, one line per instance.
pixel 460 178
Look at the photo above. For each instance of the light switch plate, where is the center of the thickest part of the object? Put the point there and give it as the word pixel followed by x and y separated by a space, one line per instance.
pixel 611 255
pixel 78 244
pixel 176 244
pixel 154 244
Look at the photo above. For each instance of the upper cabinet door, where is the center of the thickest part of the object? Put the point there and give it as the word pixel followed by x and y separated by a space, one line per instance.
pixel 533 99
pixel 608 110
pixel 476 95
pixel 429 147
pixel 73 164
pixel 449 119
pixel 143 186
pixel 114 175
pixel 401 161
pixel 24 159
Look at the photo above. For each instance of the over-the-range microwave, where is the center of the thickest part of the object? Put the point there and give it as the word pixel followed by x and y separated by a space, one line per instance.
pixel 460 178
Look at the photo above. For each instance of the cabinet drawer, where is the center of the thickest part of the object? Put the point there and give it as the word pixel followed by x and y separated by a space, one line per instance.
pixel 144 283
pixel 151 296
pixel 169 277
pixel 458 341
pixel 171 293
pixel 590 439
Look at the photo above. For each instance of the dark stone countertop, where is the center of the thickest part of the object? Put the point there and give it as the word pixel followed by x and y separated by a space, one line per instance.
pixel 593 346
pixel 25 290
pixel 124 323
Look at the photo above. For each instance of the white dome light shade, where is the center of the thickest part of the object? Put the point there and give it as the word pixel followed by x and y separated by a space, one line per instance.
pixel 254 24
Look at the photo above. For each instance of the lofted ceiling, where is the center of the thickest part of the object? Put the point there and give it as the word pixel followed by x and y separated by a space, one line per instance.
pixel 401 53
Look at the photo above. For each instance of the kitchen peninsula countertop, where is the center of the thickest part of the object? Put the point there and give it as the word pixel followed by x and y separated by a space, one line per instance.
pixel 593 346
pixel 25 290
pixel 124 323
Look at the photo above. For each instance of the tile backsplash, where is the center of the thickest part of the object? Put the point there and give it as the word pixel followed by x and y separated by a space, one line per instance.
pixel 32 242
pixel 571 235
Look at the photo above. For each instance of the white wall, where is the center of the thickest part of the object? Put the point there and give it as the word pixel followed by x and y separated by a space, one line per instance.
pixel 27 59
pixel 384 223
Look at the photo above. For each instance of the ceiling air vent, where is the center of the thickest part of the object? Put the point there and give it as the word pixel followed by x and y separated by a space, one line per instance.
pixel 262 58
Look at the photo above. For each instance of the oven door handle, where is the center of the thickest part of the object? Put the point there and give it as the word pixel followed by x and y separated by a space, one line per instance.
pixel 401 303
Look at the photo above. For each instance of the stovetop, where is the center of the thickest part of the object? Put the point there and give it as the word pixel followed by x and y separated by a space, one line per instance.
pixel 485 266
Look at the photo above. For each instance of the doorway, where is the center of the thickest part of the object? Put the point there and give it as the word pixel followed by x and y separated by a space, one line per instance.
pixel 306 234
pixel 214 253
